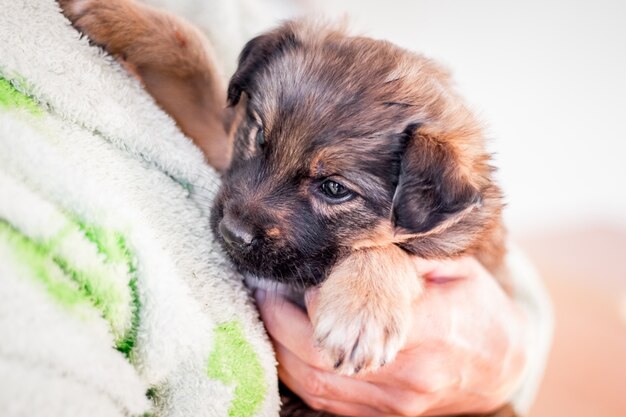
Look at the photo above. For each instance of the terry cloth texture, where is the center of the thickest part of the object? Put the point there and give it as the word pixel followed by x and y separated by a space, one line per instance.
pixel 114 298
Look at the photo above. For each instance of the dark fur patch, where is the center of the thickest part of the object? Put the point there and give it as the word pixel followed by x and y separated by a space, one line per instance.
pixel 429 191
pixel 255 56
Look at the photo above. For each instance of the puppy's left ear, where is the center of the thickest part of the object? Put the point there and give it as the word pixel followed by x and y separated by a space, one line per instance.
pixel 256 55
pixel 435 190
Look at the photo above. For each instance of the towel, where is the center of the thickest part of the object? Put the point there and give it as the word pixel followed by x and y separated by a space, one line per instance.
pixel 115 300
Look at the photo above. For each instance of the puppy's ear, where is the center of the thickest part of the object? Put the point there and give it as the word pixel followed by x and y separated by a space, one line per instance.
pixel 434 191
pixel 256 55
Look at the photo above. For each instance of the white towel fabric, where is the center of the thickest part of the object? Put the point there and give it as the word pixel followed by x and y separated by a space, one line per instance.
pixel 114 298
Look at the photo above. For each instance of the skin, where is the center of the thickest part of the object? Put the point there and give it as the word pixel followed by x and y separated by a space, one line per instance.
pixel 465 351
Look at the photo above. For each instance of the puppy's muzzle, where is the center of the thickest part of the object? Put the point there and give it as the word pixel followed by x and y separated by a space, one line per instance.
pixel 237 235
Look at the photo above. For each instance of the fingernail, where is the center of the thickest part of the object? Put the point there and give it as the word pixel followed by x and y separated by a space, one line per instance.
pixel 259 296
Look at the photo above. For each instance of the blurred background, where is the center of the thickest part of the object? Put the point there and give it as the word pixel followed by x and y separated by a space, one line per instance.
pixel 548 78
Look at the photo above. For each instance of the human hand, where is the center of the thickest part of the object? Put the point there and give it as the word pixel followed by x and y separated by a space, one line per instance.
pixel 465 351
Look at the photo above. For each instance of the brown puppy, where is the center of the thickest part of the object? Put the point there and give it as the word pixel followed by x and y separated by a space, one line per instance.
pixel 351 155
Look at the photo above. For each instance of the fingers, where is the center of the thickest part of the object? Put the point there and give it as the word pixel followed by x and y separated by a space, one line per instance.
pixel 317 383
pixel 407 405
pixel 321 391
pixel 419 371
pixel 290 327
pixel 304 371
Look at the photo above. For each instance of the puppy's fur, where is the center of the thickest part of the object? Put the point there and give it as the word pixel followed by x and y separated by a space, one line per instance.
pixel 384 123
pixel 311 105
pixel 173 61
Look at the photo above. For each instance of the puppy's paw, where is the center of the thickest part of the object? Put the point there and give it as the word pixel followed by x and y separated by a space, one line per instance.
pixel 72 8
pixel 358 336
pixel 104 22
pixel 364 308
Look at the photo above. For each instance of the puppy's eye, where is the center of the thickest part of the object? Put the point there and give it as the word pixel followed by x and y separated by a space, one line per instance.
pixel 336 192
pixel 260 137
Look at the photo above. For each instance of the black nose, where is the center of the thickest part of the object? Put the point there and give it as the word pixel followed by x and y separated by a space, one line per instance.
pixel 236 236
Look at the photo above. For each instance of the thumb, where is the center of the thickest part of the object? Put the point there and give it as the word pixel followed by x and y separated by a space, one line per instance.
pixel 311 301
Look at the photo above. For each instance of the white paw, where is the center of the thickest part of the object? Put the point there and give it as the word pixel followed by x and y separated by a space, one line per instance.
pixel 360 338
pixel 364 308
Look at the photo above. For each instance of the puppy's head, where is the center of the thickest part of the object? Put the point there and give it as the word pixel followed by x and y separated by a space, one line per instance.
pixel 347 143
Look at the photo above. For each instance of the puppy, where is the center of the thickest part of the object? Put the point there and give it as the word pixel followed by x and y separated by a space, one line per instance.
pixel 350 155
pixel 354 154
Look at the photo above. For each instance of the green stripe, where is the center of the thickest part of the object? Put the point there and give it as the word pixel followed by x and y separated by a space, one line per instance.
pixel 79 286
pixel 11 98
pixel 111 244
pixel 127 343
pixel 37 258
pixel 234 362
pixel 114 248
pixel 102 294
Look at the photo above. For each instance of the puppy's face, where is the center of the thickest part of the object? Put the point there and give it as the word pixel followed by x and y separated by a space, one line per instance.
pixel 344 145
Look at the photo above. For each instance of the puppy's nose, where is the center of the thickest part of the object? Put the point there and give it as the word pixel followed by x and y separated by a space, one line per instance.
pixel 236 236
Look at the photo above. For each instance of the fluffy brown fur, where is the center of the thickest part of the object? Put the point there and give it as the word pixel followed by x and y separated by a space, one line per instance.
pixel 350 155
pixel 172 59
pixel 385 124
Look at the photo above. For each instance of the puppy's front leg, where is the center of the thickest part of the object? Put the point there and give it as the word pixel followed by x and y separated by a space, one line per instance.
pixel 364 310
pixel 173 60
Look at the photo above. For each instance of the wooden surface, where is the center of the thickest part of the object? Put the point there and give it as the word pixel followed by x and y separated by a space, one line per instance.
pixel 585 271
